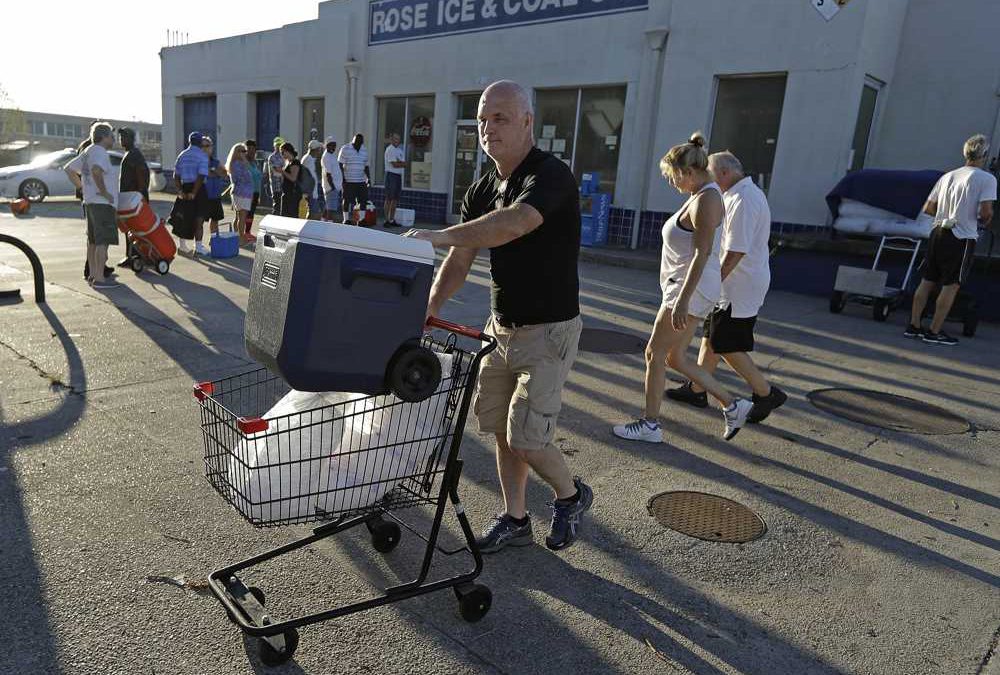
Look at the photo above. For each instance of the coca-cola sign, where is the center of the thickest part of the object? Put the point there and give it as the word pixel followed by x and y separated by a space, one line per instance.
pixel 420 131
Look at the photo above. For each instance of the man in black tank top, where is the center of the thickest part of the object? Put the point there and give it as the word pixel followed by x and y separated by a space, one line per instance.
pixel 526 211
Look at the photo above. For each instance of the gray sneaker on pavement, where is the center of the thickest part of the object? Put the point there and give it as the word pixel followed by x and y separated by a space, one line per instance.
pixel 503 531
pixel 566 517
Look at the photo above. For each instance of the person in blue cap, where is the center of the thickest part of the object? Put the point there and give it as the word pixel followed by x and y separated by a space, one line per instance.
pixel 190 174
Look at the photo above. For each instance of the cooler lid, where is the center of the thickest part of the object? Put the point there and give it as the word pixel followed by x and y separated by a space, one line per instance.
pixel 350 238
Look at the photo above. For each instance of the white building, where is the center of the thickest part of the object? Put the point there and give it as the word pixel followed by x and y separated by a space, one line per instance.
pixel 801 90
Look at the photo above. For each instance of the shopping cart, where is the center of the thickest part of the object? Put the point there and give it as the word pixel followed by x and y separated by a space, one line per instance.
pixel 361 484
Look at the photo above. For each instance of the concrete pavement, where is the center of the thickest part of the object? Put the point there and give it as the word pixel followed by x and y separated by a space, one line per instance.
pixel 882 554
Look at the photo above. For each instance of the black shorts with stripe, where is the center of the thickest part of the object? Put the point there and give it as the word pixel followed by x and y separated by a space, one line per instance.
pixel 949 258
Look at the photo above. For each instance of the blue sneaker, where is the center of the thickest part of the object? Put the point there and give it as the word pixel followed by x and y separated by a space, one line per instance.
pixel 503 531
pixel 566 517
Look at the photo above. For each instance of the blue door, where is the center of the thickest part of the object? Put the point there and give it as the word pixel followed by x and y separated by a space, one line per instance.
pixel 268 119
pixel 199 115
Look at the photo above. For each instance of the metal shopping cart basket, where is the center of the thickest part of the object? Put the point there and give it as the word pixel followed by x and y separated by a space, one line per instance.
pixel 284 470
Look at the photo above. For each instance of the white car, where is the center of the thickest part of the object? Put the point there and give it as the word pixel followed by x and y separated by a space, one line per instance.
pixel 44 176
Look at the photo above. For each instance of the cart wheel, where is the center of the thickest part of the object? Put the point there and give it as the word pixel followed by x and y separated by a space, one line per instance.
pixel 414 373
pixel 385 536
pixel 272 657
pixel 162 267
pixel 838 301
pixel 474 601
pixel 137 265
pixel 970 324
pixel 881 309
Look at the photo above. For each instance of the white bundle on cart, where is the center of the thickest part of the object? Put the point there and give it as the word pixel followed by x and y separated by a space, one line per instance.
pixel 860 218
pixel 335 451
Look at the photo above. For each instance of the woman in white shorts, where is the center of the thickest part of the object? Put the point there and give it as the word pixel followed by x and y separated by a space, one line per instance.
pixel 238 167
pixel 691 281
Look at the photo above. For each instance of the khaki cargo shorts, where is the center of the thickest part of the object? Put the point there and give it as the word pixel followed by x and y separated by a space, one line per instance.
pixel 520 383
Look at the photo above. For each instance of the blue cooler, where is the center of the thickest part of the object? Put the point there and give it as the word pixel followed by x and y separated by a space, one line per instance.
pixel 341 308
pixel 224 245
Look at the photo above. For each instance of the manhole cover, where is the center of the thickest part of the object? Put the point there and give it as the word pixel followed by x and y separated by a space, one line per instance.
pixel 602 341
pixel 888 411
pixel 706 516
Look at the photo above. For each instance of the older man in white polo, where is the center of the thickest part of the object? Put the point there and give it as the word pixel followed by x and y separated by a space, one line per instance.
pixel 746 277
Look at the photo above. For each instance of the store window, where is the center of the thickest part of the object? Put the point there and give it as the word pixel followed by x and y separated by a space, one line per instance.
pixel 863 127
pixel 37 128
pixel 412 117
pixel 746 122
pixel 583 127
pixel 312 123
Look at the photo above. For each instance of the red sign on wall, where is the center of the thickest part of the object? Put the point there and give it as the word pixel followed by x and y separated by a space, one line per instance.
pixel 420 131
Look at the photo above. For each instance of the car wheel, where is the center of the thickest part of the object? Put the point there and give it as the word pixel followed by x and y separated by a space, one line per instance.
pixel 33 190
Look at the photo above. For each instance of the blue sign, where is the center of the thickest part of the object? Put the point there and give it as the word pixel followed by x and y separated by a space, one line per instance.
pixel 400 20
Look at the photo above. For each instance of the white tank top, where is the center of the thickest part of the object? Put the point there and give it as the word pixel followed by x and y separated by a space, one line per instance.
pixel 678 252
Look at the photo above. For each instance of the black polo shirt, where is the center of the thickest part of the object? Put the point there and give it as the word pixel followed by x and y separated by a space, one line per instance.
pixel 535 277
pixel 134 173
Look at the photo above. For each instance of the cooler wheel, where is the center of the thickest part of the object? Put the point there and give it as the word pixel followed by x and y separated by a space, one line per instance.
pixel 414 373
pixel 137 265
pixel 162 267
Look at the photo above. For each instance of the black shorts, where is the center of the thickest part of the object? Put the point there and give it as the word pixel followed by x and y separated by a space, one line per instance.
pixel 948 258
pixel 728 335
pixel 355 192
pixel 213 210
pixel 186 212
pixel 393 185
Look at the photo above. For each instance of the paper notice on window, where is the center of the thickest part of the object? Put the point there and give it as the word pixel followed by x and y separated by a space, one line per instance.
pixel 548 131
pixel 558 145
pixel 420 175
pixel 611 141
pixel 828 8
pixel 544 144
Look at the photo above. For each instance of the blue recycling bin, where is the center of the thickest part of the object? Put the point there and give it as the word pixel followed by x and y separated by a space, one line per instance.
pixel 595 210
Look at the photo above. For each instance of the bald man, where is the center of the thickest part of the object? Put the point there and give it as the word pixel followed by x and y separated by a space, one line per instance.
pixel 526 211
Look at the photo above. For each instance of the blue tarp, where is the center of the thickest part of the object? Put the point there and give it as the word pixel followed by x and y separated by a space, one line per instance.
pixel 902 192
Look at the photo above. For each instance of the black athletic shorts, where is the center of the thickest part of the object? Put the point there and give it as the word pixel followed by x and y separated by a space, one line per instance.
pixel 187 211
pixel 728 335
pixel 355 192
pixel 213 210
pixel 949 258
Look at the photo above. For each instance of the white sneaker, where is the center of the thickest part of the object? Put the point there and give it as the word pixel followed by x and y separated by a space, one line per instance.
pixel 200 249
pixel 183 246
pixel 736 416
pixel 640 430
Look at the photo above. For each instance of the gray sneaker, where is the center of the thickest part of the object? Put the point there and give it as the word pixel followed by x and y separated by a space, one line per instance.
pixel 566 517
pixel 503 531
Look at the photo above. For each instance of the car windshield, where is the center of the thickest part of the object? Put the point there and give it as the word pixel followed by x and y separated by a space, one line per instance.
pixel 51 158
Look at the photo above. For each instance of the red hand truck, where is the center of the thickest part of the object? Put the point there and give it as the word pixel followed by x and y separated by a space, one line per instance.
pixel 231 410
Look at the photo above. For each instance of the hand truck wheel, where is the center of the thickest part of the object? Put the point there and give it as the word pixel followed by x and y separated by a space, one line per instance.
pixel 881 309
pixel 137 264
pixel 970 324
pixel 414 373
pixel 385 535
pixel 271 656
pixel 474 601
pixel 838 301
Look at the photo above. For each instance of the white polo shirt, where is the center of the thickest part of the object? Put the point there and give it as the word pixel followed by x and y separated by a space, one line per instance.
pixel 958 194
pixel 746 229
pixel 354 162
pixel 394 154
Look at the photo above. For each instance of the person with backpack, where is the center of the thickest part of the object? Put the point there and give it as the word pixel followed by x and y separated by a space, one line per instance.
pixel 292 180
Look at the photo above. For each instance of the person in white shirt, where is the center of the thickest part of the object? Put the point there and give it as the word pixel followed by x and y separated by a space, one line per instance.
pixel 395 161
pixel 353 160
pixel 90 172
pixel 311 162
pixel 961 202
pixel 333 180
pixel 691 282
pixel 746 277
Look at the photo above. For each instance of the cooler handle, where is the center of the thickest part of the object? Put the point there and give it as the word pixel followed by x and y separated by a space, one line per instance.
pixel 352 269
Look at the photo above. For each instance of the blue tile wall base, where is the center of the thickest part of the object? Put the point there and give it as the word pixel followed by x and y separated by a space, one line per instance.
pixel 429 207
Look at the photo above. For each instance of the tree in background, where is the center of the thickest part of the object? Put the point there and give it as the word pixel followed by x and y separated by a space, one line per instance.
pixel 12 127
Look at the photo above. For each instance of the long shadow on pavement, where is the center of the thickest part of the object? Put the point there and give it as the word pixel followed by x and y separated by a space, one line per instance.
pixel 24 621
